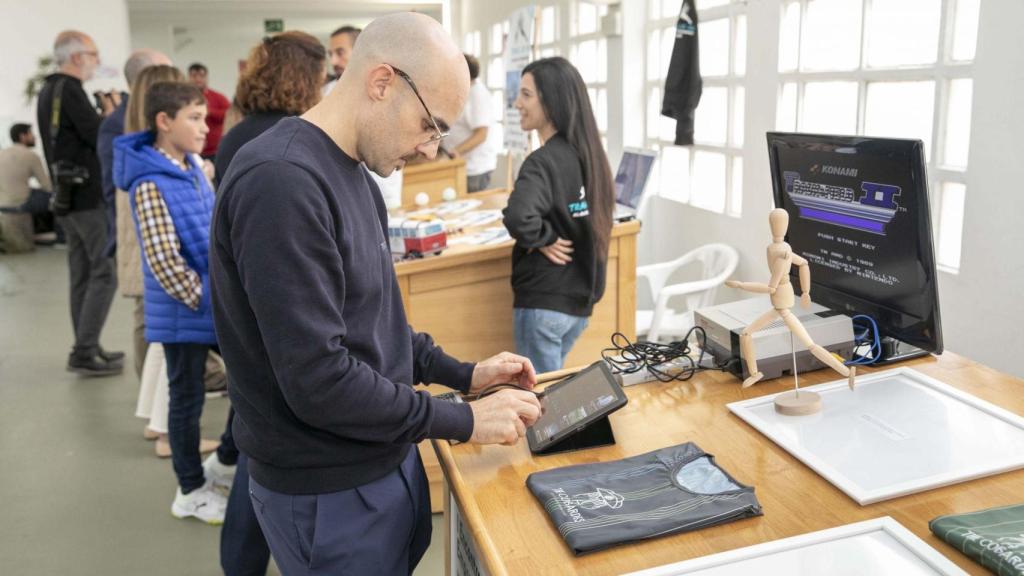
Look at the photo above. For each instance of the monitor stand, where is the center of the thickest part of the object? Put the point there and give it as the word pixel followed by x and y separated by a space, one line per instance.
pixel 894 350
pixel 598 433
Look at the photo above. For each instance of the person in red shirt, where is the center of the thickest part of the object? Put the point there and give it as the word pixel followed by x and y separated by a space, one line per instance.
pixel 217 106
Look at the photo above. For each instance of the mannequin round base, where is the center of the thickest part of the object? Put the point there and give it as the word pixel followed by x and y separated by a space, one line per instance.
pixel 795 403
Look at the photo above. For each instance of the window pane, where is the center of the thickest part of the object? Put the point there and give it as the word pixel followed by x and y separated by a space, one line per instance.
pixel 670 8
pixel 705 4
pixel 829 108
pixel 668 41
pixel 785 114
pixel 738 102
pixel 708 181
pixel 739 55
pixel 586 18
pixel 714 47
pixel 736 194
pixel 965 29
pixel 654 56
pixel 667 129
pixel 602 60
pixel 548 25
pixel 653 112
pixel 675 173
pixel 789 37
pixel 712 116
pixel 831 35
pixel 958 123
pixel 903 32
pixel 497 39
pixel 467 43
pixel 586 60
pixel 901 110
pixel 654 10
pixel 548 52
pixel 496 73
pixel 951 224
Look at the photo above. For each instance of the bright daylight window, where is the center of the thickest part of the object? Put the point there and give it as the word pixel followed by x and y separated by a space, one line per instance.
pixel 900 69
pixel 709 174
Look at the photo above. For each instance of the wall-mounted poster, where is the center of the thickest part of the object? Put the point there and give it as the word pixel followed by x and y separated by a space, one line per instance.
pixel 518 53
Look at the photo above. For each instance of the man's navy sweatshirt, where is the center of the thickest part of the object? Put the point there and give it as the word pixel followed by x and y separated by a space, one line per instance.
pixel 309 318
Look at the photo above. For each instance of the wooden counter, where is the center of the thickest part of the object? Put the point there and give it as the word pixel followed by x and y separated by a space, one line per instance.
pixel 511 534
pixel 432 178
pixel 463 299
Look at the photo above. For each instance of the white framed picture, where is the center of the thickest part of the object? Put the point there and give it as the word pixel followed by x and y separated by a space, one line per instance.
pixel 878 547
pixel 899 432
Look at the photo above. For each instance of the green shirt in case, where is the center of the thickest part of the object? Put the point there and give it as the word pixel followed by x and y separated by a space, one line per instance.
pixel 994 537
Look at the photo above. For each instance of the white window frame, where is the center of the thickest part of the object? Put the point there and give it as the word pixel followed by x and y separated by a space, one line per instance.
pixel 594 86
pixel 942 72
pixel 732 150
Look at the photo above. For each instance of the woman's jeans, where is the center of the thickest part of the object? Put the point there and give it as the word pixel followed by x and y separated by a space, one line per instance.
pixel 546 336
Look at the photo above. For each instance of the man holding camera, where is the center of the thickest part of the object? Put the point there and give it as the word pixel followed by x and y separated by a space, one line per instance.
pixel 68 126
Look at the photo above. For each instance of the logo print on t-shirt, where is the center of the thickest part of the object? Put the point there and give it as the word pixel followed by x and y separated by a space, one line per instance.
pixel 579 209
pixel 603 498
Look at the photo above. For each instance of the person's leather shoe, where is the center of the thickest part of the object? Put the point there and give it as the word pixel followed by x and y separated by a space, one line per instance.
pixel 111 357
pixel 92 366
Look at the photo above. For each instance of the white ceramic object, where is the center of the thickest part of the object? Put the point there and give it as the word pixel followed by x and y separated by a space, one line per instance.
pixel 898 433
pixel 448 194
pixel 422 199
pixel 878 547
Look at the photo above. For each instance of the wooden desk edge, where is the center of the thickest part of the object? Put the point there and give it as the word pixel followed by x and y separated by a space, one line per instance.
pixel 468 509
pixel 481 253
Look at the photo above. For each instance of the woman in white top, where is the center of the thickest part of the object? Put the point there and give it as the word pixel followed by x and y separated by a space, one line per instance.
pixel 468 138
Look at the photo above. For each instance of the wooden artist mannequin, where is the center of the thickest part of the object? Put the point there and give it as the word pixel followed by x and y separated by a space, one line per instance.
pixel 780 259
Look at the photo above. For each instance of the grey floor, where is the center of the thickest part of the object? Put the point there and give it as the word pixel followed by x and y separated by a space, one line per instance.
pixel 80 490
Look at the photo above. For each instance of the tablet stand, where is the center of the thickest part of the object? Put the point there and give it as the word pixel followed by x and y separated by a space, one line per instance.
pixel 597 433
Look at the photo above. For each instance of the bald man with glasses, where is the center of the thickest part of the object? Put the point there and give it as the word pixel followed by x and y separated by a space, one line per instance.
pixel 309 317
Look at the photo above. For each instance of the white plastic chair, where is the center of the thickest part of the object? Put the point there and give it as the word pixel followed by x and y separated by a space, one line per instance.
pixel 718 262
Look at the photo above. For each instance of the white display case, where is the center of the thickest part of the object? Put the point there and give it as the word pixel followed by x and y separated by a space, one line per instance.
pixel 878 547
pixel 899 432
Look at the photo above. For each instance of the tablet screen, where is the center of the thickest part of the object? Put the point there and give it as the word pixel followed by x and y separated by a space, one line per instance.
pixel 571 404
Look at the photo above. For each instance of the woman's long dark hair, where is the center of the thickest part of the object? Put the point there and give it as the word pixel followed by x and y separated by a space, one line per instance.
pixel 563 95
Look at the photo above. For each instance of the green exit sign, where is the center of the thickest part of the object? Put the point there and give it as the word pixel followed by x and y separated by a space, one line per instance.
pixel 273 26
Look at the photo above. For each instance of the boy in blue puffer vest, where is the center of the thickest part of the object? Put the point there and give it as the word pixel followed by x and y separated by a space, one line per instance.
pixel 172 204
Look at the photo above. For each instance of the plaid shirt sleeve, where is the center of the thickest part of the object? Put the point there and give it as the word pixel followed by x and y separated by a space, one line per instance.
pixel 162 248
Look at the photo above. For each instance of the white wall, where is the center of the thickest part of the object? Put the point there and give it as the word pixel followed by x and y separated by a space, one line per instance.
pixel 982 306
pixel 29 31
pixel 220 37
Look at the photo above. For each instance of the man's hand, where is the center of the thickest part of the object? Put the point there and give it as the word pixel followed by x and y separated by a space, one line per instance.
pixel 504 368
pixel 502 417
pixel 558 253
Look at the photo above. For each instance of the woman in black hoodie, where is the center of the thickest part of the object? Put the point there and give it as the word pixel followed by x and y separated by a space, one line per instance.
pixel 560 213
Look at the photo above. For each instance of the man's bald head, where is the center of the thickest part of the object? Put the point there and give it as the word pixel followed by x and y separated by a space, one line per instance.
pixel 426 52
pixel 141 59
pixel 374 113
pixel 76 54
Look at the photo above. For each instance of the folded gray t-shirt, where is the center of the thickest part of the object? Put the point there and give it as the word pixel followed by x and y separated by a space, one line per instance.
pixel 675 489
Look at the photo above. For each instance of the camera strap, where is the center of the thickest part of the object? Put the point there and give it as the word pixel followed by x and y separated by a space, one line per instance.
pixel 58 91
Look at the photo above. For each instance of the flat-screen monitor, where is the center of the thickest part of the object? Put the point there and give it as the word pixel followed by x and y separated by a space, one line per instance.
pixel 631 179
pixel 858 212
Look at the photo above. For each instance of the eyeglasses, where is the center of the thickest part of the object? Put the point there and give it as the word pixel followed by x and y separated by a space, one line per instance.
pixel 92 53
pixel 439 134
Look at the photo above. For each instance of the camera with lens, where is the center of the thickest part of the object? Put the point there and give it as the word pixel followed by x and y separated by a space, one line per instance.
pixel 67 176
